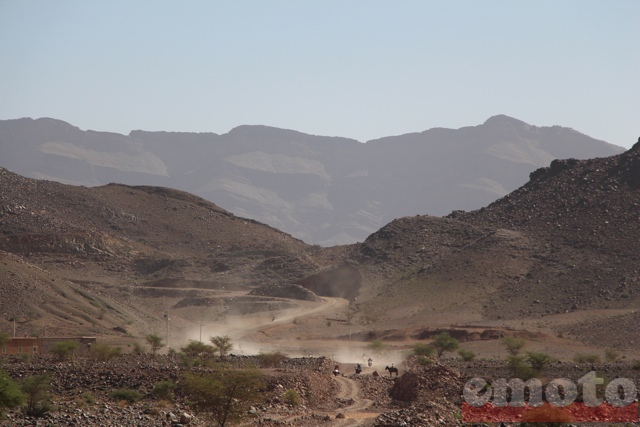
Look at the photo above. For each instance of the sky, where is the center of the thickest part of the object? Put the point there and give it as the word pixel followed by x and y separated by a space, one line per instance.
pixel 362 69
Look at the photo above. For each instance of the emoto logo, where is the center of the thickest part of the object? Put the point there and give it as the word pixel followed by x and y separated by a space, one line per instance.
pixel 504 400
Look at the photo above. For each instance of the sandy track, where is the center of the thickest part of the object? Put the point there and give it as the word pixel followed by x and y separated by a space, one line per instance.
pixel 348 389
pixel 264 323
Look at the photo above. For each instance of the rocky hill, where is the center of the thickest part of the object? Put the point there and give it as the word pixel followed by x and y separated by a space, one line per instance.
pixel 319 189
pixel 563 248
pixel 556 259
pixel 147 248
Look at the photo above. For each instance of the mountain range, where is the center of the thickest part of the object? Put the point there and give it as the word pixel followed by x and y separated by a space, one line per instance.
pixel 322 190
pixel 555 261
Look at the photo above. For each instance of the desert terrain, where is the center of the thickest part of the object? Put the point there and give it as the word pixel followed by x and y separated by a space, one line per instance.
pixel 554 263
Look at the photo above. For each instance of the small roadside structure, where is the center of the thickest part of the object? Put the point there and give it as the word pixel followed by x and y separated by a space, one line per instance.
pixel 23 345
pixel 38 345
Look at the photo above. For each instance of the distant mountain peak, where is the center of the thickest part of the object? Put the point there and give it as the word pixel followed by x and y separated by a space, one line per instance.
pixel 502 120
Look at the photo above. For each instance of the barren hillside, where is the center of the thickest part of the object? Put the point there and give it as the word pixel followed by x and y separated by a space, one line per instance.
pixel 559 250
pixel 148 248
pixel 556 262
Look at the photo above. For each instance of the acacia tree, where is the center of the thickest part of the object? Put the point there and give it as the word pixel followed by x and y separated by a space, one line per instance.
pixel 223 344
pixel 444 342
pixel 513 345
pixel 224 394
pixel 36 389
pixel 155 341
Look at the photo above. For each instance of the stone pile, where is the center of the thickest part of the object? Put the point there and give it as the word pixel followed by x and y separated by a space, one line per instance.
pixel 427 395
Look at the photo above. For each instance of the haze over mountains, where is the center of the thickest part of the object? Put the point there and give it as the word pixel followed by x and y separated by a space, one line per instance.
pixel 324 190
pixel 559 251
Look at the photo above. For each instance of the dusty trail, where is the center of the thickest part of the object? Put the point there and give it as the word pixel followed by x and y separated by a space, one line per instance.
pixel 263 323
pixel 348 389
pixel 355 414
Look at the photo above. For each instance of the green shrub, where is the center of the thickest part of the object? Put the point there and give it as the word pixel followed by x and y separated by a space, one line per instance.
pixel 130 396
pixel 225 394
pixel 156 343
pixel 103 352
pixel 63 350
pixel 538 361
pixel 513 345
pixel 11 395
pixel 423 360
pixel 444 342
pixel 88 398
pixel 611 355
pixel 520 369
pixel 222 343
pixel 36 388
pixel 422 349
pixel 467 355
pixel 164 390
pixel 291 397
pixel 271 360
pixel 198 350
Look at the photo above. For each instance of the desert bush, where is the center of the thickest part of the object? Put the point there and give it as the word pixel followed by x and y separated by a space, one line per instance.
pixel 223 344
pixel 11 395
pixel 36 389
pixel 444 342
pixel 513 345
pixel 138 348
pixel 520 369
pixel 224 394
pixel 103 352
pixel 423 360
pixel 538 361
pixel 611 355
pixel 198 350
pixel 63 350
pixel 164 390
pixel 88 398
pixel 467 355
pixel 271 360
pixel 586 358
pixel 156 343
pixel 422 349
pixel 291 397
pixel 130 396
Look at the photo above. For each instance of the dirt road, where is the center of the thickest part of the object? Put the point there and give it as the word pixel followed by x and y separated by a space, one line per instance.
pixel 355 414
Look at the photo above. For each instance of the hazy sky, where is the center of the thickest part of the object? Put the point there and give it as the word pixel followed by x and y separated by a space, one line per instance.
pixel 360 69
